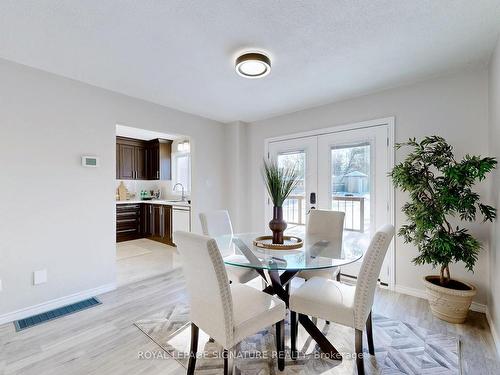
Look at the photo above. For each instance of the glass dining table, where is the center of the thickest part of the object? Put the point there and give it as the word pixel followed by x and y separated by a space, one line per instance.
pixel 279 267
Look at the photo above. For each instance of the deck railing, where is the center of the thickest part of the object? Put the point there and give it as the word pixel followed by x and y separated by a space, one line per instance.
pixel 353 207
pixel 294 210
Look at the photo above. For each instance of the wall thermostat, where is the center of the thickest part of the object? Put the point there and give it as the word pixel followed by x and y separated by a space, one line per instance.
pixel 90 161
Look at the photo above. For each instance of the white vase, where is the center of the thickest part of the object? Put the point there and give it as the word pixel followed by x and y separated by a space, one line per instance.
pixel 451 305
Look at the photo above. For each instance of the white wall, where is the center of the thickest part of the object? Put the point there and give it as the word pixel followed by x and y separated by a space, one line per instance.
pixel 237 172
pixel 494 260
pixel 455 107
pixel 57 214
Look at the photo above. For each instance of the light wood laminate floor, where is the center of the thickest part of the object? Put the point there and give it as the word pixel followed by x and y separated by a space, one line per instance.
pixel 141 259
pixel 103 339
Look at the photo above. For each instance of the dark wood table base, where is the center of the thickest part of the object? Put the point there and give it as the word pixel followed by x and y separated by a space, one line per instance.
pixel 280 286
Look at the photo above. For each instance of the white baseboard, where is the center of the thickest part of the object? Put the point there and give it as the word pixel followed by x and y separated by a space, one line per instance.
pixel 55 303
pixel 496 339
pixel 479 307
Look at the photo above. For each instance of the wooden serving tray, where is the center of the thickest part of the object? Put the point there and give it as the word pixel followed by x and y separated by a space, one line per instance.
pixel 290 243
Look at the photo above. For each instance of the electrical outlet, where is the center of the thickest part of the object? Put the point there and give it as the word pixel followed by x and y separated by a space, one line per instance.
pixel 39 277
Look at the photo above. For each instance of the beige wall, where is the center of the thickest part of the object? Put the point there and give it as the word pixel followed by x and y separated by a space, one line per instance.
pixel 58 215
pixel 455 107
pixel 494 260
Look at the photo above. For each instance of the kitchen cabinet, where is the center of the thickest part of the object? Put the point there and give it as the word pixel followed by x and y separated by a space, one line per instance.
pixel 154 161
pixel 157 222
pixel 126 162
pixel 128 222
pixel 141 163
pixel 117 160
pixel 154 221
pixel 146 217
pixel 160 155
pixel 143 160
pixel 166 225
pixel 131 159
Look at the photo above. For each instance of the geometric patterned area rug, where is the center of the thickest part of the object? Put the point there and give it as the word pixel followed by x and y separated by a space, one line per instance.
pixel 400 348
pixel 407 349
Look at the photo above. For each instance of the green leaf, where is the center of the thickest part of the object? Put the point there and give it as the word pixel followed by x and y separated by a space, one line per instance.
pixel 280 181
pixel 441 188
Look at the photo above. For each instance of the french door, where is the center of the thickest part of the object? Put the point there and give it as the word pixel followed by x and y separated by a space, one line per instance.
pixel 341 171
pixel 301 152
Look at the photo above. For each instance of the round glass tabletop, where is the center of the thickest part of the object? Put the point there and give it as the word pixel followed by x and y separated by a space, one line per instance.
pixel 318 252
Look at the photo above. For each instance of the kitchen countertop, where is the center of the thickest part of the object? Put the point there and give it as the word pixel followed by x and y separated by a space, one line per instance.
pixel 156 201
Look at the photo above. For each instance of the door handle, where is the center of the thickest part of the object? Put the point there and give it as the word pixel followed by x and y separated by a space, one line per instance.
pixel 312 198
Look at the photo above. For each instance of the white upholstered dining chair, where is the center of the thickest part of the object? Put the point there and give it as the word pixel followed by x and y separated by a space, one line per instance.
pixel 218 223
pixel 326 225
pixel 345 304
pixel 226 312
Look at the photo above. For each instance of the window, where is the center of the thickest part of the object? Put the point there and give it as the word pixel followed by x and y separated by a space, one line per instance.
pixel 294 208
pixel 182 170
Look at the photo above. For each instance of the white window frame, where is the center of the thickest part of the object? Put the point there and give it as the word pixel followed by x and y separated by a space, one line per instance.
pixel 187 189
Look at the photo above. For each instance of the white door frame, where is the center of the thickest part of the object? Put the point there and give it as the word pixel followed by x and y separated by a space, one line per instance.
pixel 386 121
pixel 311 167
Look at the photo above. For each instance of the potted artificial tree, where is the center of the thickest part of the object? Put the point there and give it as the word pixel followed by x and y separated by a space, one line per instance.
pixel 441 197
pixel 280 183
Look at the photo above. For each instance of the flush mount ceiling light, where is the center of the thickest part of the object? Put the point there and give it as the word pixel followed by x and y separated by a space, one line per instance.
pixel 253 65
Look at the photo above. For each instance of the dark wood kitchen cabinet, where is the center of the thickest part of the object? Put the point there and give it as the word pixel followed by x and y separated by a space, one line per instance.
pixel 132 159
pixel 146 215
pixel 141 163
pixel 157 222
pixel 167 225
pixel 159 166
pixel 143 160
pixel 128 222
pixel 126 163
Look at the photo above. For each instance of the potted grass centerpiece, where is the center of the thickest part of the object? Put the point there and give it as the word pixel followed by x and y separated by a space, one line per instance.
pixel 280 182
pixel 441 196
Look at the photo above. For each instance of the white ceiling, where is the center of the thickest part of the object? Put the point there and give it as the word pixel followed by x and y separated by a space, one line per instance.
pixel 180 53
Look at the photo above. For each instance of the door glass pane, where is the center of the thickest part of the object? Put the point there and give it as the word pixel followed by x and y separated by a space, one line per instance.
pixel 294 208
pixel 351 189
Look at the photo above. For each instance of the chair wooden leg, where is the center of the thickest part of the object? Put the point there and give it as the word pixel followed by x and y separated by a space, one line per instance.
pixel 369 334
pixel 194 347
pixel 228 362
pixel 280 344
pixel 293 334
pixel 359 352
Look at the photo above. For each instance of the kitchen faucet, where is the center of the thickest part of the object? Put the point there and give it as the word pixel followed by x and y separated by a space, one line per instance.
pixel 183 197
